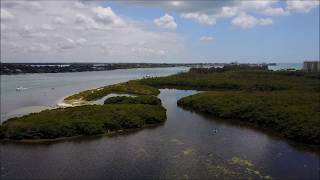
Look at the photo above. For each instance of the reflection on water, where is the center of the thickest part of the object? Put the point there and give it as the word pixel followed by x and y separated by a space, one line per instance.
pixel 184 147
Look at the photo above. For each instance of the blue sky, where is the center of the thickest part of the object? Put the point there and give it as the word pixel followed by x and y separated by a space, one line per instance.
pixel 157 31
pixel 290 39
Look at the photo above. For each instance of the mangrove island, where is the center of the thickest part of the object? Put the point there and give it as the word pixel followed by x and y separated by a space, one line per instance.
pixel 281 101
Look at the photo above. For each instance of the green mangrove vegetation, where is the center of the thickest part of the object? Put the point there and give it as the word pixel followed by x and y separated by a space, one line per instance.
pixel 285 102
pixel 130 87
pixel 82 120
pixel 253 80
pixel 118 113
pixel 151 100
pixel 293 114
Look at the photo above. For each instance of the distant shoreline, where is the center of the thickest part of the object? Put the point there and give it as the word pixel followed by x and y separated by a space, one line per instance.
pixel 27 68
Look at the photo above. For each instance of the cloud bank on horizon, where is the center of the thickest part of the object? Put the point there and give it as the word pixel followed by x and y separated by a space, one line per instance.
pixel 159 31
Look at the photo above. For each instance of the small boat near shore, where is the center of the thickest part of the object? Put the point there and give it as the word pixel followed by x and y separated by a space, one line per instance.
pixel 21 88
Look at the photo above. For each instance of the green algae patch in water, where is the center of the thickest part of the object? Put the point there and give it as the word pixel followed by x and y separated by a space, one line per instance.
pixel 177 141
pixel 189 164
pixel 188 152
pixel 241 162
pixel 248 167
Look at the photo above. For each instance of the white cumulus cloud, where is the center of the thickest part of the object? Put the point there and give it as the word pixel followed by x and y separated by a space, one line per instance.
pixel 246 21
pixel 59 20
pixel 200 18
pixel 210 12
pixel 80 31
pixel 166 21
pixel 107 16
pixel 206 38
pixel 302 6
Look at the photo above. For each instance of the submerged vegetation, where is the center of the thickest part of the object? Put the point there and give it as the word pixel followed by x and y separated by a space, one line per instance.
pixel 82 120
pixel 212 166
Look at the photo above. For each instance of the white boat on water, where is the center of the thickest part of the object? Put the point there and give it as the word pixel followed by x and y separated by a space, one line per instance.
pixel 20 88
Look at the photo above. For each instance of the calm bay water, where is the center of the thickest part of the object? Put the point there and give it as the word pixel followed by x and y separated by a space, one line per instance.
pixel 46 90
pixel 180 148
